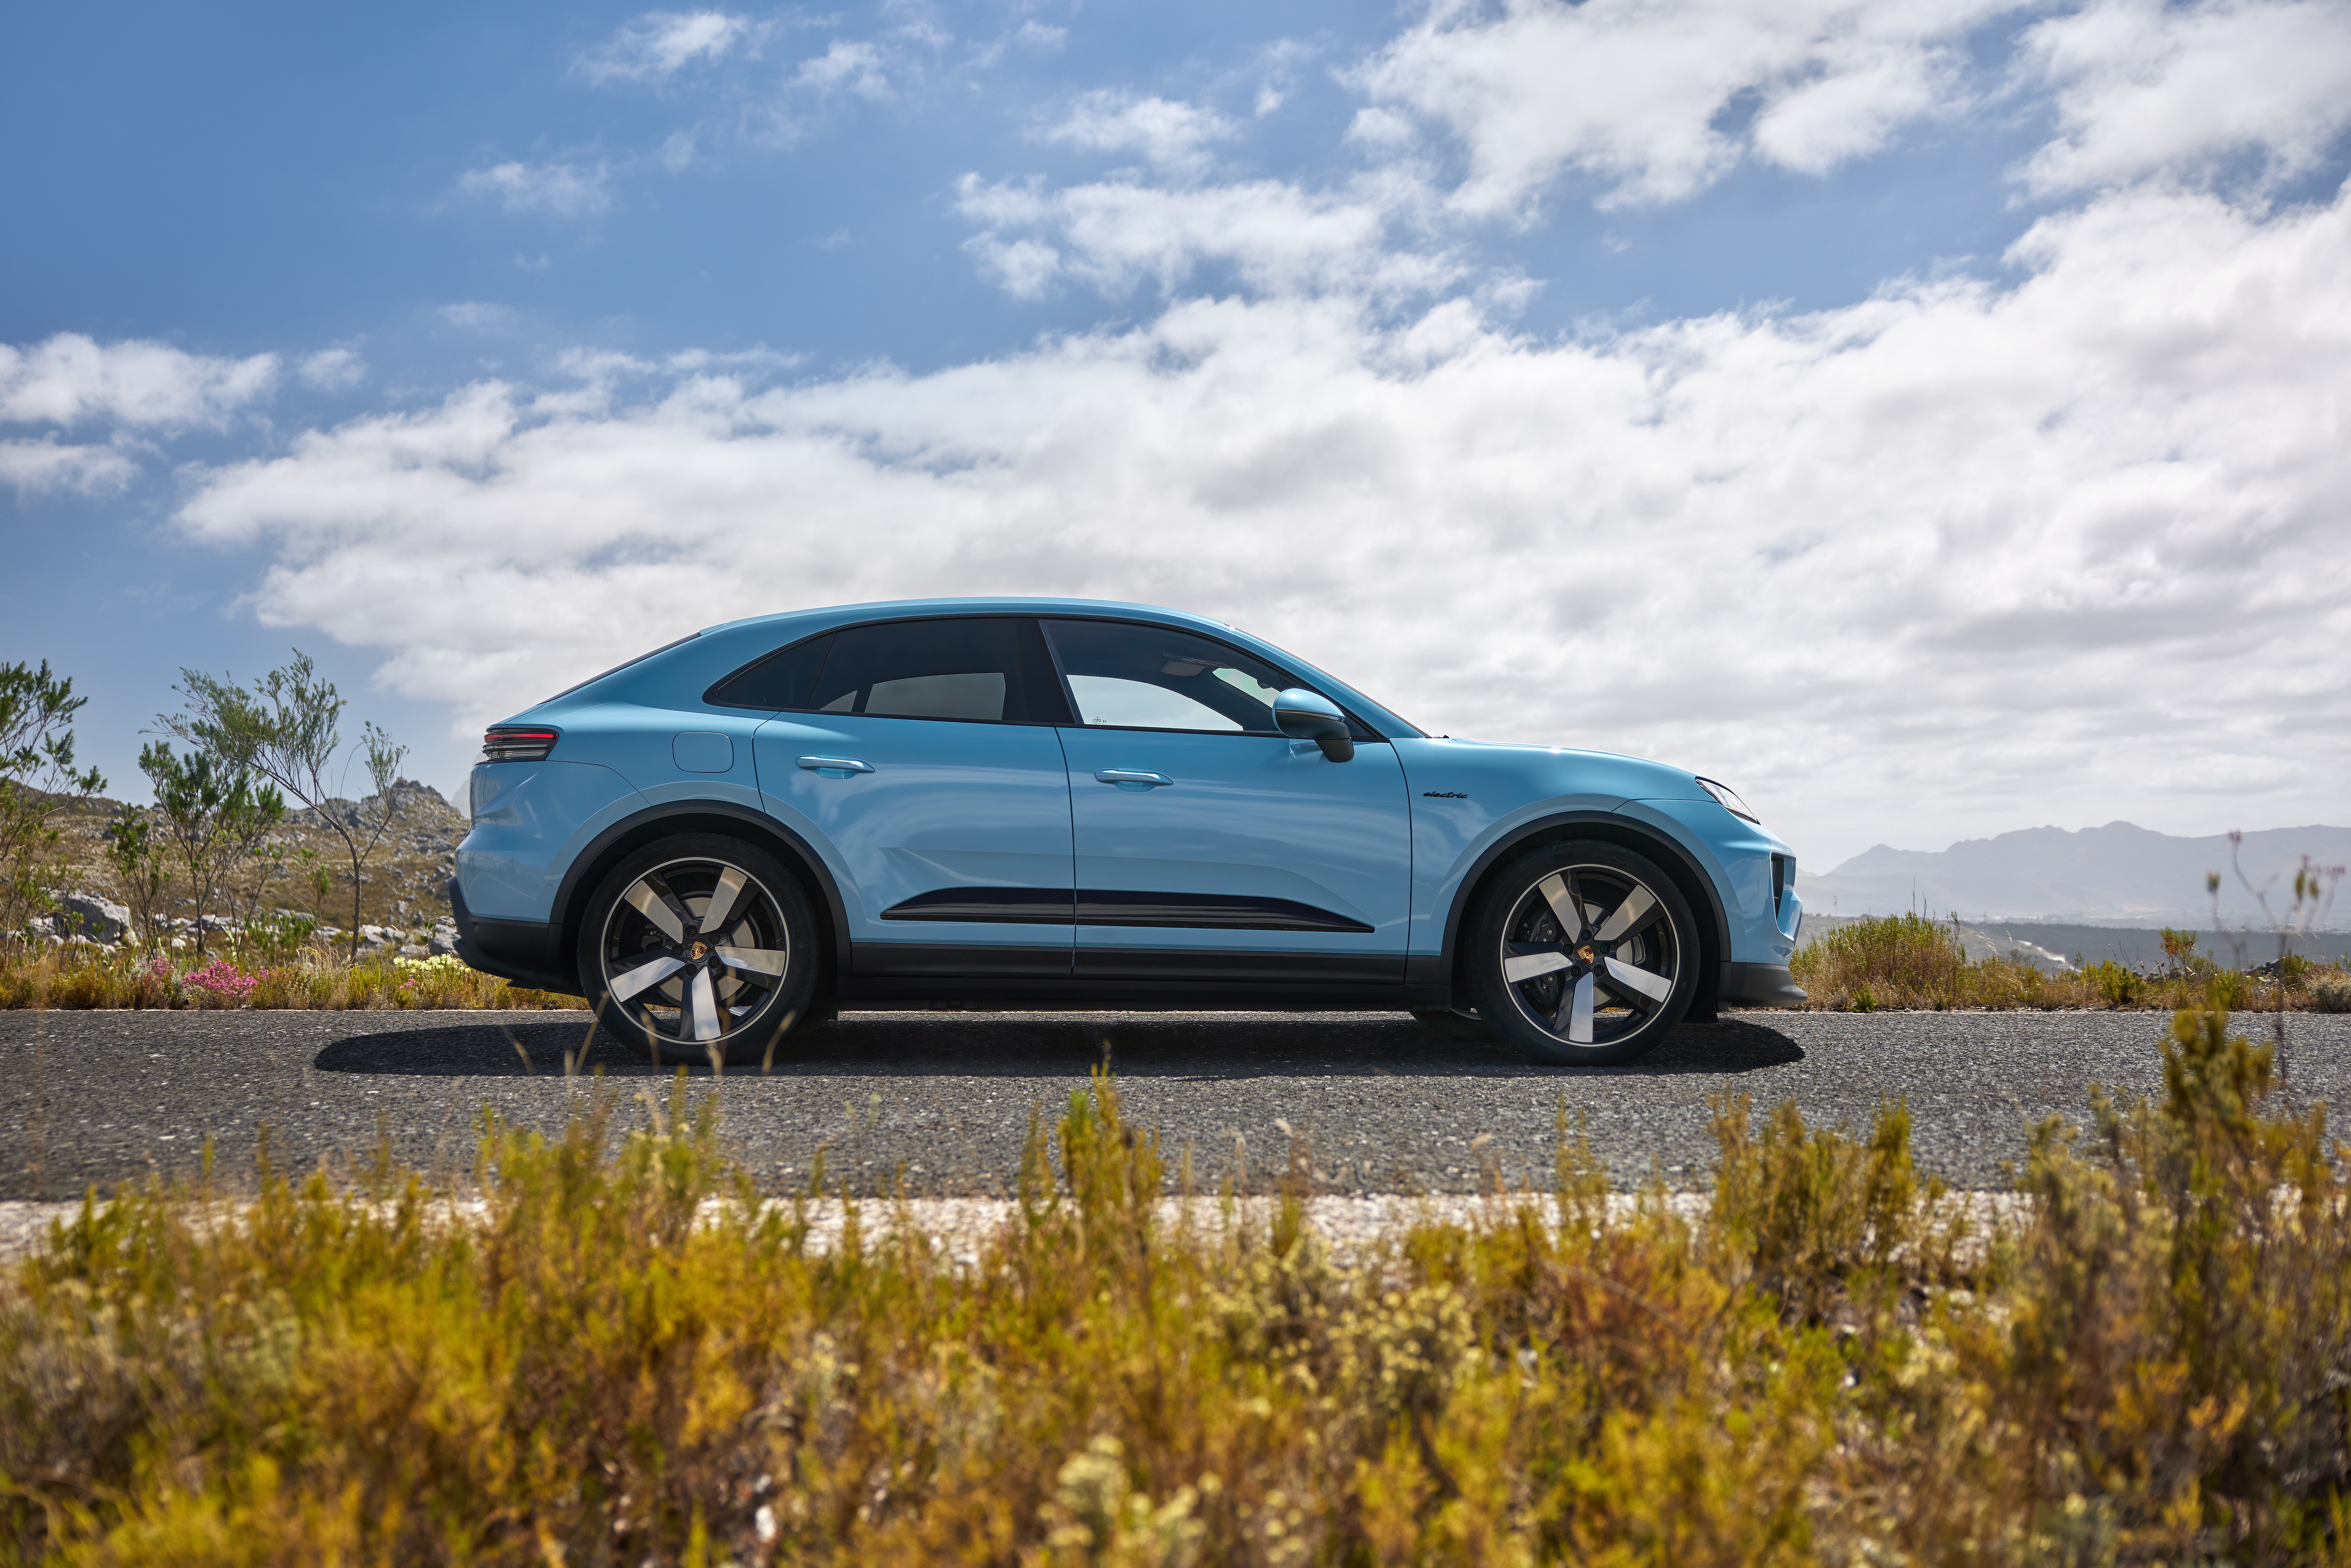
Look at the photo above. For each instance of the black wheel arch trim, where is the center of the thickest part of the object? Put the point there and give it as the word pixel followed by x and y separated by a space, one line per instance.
pixel 590 865
pixel 1714 942
pixel 522 951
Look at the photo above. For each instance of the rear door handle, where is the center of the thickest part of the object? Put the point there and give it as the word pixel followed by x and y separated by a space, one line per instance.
pixel 1133 778
pixel 835 767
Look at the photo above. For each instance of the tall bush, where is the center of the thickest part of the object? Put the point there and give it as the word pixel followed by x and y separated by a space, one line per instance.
pixel 288 728
pixel 38 780
pixel 213 815
pixel 142 870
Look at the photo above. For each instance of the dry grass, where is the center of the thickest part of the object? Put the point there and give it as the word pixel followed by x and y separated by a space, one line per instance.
pixel 1910 961
pixel 79 976
pixel 2151 1367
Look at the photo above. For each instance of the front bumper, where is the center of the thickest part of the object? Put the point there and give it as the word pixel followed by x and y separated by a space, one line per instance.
pixel 1760 986
pixel 528 952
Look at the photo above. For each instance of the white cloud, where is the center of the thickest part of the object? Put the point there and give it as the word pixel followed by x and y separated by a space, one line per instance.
pixel 1923 557
pixel 1024 268
pixel 333 370
pixel 37 466
pixel 1383 128
pixel 69 379
pixel 2145 88
pixel 1276 237
pixel 1637 93
pixel 564 190
pixel 847 66
pixel 1174 137
pixel 1037 35
pixel 659 44
pixel 478 316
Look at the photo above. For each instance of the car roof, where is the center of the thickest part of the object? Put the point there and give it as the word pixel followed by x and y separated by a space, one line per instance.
pixel 790 625
pixel 816 619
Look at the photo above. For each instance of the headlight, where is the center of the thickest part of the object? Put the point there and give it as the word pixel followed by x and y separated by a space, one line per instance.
pixel 1727 798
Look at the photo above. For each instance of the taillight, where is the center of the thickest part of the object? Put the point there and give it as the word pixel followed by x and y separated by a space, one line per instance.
pixel 516 745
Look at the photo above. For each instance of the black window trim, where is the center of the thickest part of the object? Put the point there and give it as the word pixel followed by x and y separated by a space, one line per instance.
pixel 1069 697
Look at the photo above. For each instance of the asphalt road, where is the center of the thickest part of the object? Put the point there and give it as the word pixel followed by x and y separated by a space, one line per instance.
pixel 1380 1104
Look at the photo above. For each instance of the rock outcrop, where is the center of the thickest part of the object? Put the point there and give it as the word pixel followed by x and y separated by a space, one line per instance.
pixel 88 915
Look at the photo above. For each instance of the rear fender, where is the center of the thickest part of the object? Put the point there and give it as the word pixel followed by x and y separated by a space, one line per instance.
pixel 630 833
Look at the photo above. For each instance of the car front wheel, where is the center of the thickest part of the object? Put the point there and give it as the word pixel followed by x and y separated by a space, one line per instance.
pixel 699 947
pixel 1585 954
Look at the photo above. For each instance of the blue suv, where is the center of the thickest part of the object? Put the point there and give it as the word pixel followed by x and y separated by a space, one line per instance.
pixel 1045 803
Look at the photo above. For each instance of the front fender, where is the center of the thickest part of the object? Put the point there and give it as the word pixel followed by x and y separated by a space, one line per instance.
pixel 1759 903
pixel 1472 800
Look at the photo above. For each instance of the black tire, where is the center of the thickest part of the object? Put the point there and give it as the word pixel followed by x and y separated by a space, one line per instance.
pixel 1456 1023
pixel 1633 956
pixel 732 991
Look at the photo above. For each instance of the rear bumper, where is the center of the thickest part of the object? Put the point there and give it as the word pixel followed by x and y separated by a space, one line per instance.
pixel 528 952
pixel 1760 986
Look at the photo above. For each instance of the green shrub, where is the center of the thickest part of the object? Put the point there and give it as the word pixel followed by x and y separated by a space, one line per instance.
pixel 2227 990
pixel 2118 985
pixel 1903 960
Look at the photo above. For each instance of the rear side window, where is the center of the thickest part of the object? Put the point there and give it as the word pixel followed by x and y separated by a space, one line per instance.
pixel 984 669
pixel 782 680
pixel 1127 676
pixel 992 670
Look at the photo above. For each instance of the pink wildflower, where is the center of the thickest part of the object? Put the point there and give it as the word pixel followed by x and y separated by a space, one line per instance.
pixel 225 984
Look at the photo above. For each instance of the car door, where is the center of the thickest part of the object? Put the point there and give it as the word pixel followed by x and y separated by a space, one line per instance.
pixel 921 757
pixel 1208 844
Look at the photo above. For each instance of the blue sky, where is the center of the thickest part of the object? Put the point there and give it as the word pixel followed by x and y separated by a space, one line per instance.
pixel 1929 414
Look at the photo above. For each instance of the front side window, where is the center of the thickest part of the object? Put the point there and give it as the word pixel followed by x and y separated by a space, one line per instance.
pixel 1127 676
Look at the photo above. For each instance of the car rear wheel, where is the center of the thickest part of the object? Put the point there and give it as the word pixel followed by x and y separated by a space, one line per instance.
pixel 1584 953
pixel 699 947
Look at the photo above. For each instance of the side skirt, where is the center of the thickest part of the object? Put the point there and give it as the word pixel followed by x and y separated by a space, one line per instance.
pixel 1085 994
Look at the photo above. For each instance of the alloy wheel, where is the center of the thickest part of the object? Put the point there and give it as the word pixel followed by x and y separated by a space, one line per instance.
pixel 693 950
pixel 1590 955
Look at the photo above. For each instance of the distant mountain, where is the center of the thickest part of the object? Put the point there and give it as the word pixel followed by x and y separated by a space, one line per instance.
pixel 2118 874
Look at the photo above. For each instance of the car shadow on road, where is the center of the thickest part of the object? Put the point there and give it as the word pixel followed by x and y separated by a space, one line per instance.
pixel 1030 1045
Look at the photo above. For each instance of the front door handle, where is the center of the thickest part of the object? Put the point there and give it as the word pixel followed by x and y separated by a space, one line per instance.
pixel 1133 778
pixel 835 767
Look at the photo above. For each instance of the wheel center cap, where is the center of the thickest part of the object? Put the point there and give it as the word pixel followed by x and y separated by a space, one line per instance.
pixel 1585 952
pixel 697 953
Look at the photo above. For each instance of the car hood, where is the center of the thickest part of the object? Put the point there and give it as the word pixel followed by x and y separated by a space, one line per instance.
pixel 1507 776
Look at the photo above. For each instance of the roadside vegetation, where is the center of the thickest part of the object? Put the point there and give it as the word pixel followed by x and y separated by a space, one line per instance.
pixel 1911 961
pixel 220 893
pixel 610 1350
pixel 77 975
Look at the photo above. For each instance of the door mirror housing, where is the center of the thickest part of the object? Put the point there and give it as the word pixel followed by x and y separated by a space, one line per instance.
pixel 1302 715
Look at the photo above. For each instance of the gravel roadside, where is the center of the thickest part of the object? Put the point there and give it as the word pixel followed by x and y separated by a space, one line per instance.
pixel 1374 1103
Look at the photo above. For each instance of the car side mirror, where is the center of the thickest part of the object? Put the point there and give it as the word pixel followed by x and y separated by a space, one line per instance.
pixel 1302 715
